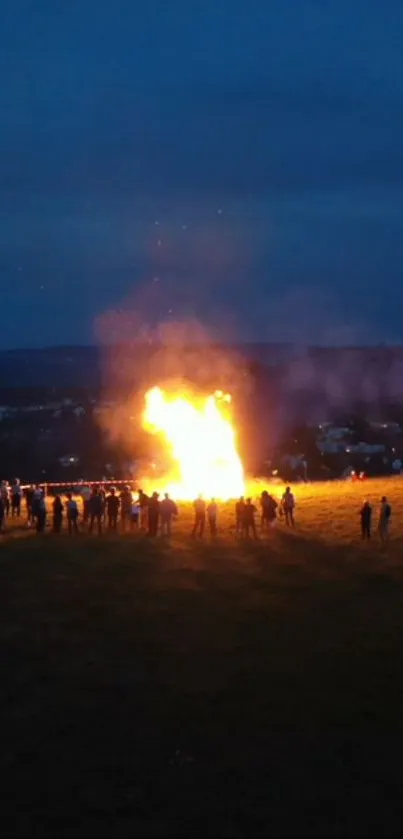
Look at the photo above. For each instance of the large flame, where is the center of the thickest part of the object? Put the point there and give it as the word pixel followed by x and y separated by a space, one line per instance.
pixel 201 443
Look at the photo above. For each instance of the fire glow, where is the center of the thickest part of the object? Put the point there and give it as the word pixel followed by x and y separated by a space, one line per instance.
pixel 201 442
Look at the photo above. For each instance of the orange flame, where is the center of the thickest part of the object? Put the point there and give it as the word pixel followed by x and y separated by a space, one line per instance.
pixel 201 442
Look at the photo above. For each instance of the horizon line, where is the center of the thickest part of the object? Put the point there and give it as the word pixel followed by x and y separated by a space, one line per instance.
pixel 296 345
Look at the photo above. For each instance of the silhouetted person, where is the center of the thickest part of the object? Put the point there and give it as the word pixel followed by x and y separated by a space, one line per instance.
pixel 266 509
pixel 2 515
pixel 384 519
pixel 102 495
pixel 168 511
pixel 29 494
pixel 239 514
pixel 39 508
pixel 366 519
pixel 135 516
pixel 212 517
pixel 95 510
pixel 16 496
pixel 5 495
pixel 200 516
pixel 263 508
pixel 268 506
pixel 58 508
pixel 72 514
pixel 249 518
pixel 86 495
pixel 40 513
pixel 126 508
pixel 143 501
pixel 153 514
pixel 112 508
pixel 288 505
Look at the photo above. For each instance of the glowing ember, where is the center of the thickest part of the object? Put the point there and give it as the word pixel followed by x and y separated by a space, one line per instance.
pixel 201 442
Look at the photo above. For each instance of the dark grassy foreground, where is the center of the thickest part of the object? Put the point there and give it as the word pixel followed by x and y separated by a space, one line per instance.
pixel 228 690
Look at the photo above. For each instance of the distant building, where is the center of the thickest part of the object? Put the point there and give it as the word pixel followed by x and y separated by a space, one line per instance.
pixel 69 460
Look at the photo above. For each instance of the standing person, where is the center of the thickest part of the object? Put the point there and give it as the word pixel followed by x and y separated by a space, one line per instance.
pixel 272 509
pixel 58 508
pixel 102 495
pixel 212 517
pixel 268 506
pixel 288 505
pixel 263 508
pixel 16 495
pixel 95 510
pixel 126 507
pixel 5 494
pixel 135 515
pixel 72 514
pixel 29 495
pixel 239 514
pixel 143 501
pixel 168 511
pixel 2 515
pixel 366 519
pixel 153 514
pixel 112 508
pixel 384 519
pixel 266 509
pixel 200 517
pixel 86 495
pixel 39 510
pixel 249 518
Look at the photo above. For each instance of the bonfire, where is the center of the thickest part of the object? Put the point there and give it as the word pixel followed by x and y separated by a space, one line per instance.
pixel 201 444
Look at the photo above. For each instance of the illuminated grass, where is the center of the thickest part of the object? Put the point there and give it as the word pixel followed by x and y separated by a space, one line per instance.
pixel 224 688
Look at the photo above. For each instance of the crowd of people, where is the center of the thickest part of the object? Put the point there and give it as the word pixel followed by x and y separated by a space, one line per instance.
pixel 131 511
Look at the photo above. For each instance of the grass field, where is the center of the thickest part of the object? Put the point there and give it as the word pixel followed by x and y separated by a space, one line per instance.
pixel 222 688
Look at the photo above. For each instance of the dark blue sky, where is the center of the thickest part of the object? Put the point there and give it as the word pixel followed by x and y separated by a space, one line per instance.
pixel 236 162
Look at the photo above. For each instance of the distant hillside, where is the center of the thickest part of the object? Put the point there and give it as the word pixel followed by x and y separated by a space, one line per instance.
pixel 310 378
pixel 51 367
pixel 70 410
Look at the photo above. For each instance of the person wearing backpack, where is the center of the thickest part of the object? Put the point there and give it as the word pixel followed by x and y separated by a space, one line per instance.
pixel 384 519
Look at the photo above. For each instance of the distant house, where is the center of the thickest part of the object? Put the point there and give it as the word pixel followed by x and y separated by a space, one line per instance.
pixel 103 407
pixel 337 432
pixel 69 460
pixel 366 448
pixel 386 425
pixel 6 412
pixel 337 440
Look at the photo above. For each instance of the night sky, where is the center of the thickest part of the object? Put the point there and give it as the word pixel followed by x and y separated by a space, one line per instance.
pixel 234 162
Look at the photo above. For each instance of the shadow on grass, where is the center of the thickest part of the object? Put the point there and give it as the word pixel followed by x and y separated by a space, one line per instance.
pixel 185 688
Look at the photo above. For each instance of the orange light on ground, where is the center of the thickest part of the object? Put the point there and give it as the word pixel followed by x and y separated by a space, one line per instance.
pixel 201 441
